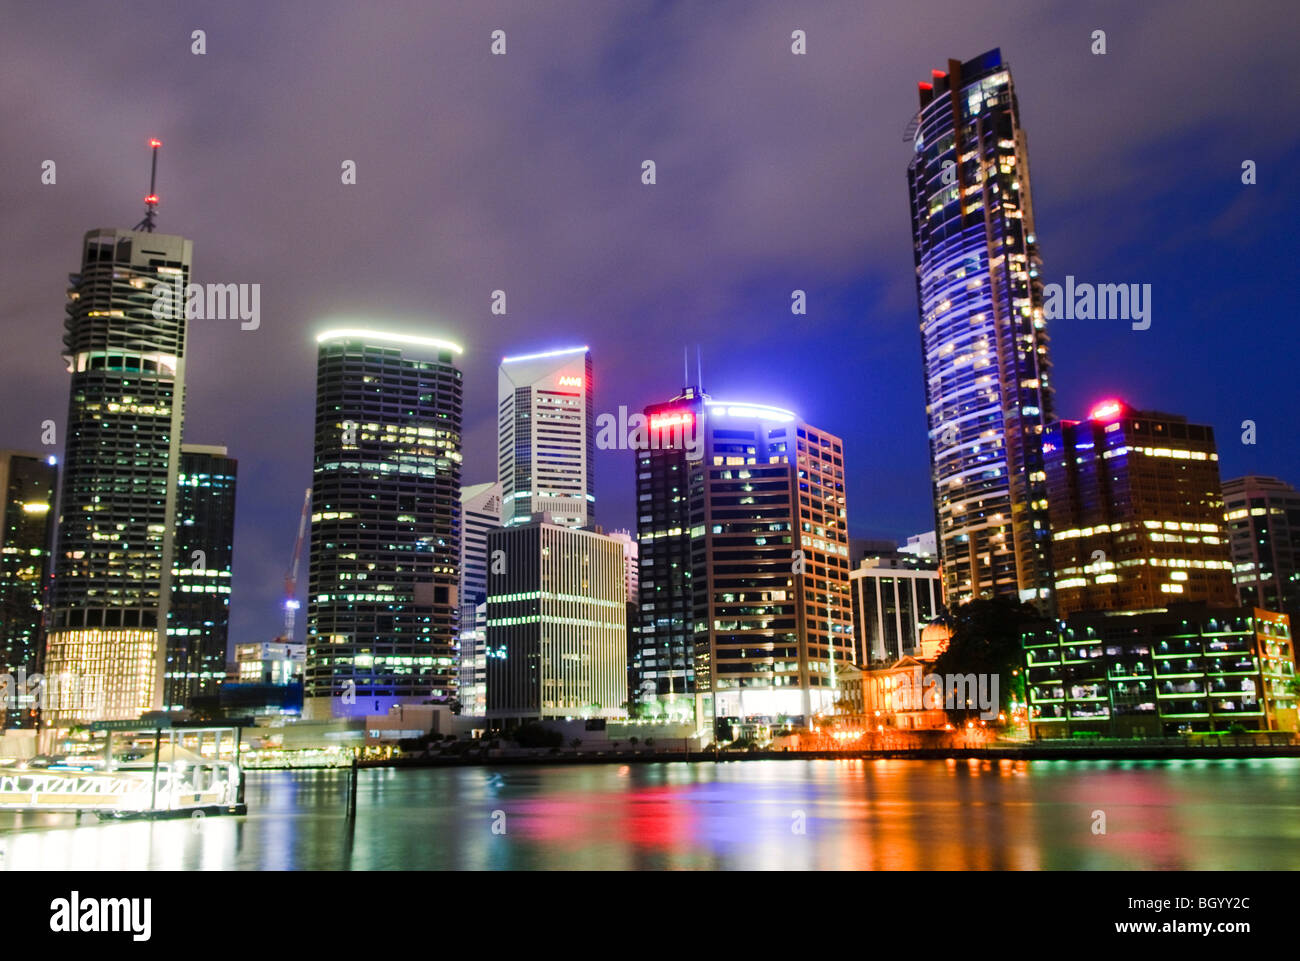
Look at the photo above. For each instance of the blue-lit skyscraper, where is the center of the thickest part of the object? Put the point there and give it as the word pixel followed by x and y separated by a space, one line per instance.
pixel 988 388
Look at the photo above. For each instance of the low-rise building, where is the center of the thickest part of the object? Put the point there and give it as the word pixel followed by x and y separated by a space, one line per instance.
pixel 1189 668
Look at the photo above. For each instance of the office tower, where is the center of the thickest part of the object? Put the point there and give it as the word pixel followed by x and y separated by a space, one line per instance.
pixel 546 437
pixel 124 344
pixel 893 600
pixel 743 531
pixel 480 512
pixel 198 624
pixel 632 587
pixel 385 525
pixel 988 388
pixel 1264 520
pixel 27 485
pixel 631 563
pixel 1136 512
pixel 1188 668
pixel 556 624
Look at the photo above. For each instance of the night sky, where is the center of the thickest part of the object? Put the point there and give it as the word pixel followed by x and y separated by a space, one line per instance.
pixel 478 172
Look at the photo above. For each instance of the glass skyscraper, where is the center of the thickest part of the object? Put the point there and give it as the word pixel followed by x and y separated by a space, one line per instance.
pixel 27 485
pixel 198 624
pixel 744 561
pixel 385 524
pixel 124 344
pixel 988 391
pixel 480 509
pixel 546 437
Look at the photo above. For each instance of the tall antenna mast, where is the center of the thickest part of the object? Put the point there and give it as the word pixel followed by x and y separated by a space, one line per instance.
pixel 699 370
pixel 151 202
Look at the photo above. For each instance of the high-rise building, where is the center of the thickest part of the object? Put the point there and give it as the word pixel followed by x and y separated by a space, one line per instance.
pixel 893 600
pixel 1264 521
pixel 556 624
pixel 1136 511
pixel 743 531
pixel 546 437
pixel 384 568
pixel 124 344
pixel 480 512
pixel 27 486
pixel 198 623
pixel 988 388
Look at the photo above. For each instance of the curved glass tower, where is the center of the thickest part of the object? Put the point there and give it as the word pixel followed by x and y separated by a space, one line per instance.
pixel 385 524
pixel 988 389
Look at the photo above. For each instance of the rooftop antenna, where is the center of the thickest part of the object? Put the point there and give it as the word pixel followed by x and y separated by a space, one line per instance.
pixel 699 370
pixel 686 367
pixel 151 202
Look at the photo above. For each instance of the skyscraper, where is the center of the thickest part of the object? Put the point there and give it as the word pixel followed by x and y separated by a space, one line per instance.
pixel 124 344
pixel 385 525
pixel 556 624
pixel 1264 520
pixel 1137 514
pixel 546 437
pixel 198 624
pixel 988 392
pixel 893 600
pixel 480 511
pixel 743 531
pixel 27 485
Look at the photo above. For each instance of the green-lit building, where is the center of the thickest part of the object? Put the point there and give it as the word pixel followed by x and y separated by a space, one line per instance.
pixel 1189 668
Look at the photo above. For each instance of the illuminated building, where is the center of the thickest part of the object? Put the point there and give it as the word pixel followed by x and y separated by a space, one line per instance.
pixel 546 438
pixel 480 511
pixel 385 524
pixel 1187 668
pixel 27 485
pixel 892 602
pixel 743 531
pixel 197 625
pixel 124 343
pixel 1136 510
pixel 1264 521
pixel 988 388
pixel 556 624
pixel 270 662
pixel 892 697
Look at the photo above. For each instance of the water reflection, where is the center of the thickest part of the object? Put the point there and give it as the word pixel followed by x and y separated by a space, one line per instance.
pixel 764 815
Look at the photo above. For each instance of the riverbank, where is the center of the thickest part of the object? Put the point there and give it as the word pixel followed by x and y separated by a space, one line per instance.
pixel 1064 751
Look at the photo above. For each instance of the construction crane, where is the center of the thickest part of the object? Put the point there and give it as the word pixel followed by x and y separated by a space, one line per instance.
pixel 291 604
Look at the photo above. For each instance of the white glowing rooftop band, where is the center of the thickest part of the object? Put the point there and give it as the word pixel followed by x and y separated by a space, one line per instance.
pixel 358 333
pixel 761 411
pixel 548 353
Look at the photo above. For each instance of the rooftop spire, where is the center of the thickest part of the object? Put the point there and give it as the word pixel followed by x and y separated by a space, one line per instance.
pixel 151 201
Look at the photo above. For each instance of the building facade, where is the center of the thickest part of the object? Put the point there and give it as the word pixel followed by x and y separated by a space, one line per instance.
pixel 124 344
pixel 1263 516
pixel 480 509
pixel 27 486
pixel 556 624
pixel 743 531
pixel 384 568
pixel 199 620
pixel 1188 668
pixel 1136 510
pixel 546 437
pixel 892 603
pixel 988 387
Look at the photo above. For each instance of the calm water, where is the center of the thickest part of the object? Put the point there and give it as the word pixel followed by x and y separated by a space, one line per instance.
pixel 860 815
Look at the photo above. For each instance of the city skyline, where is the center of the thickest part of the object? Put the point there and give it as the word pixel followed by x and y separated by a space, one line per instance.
pixel 254 396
